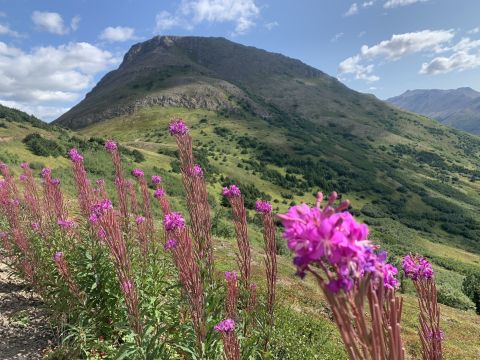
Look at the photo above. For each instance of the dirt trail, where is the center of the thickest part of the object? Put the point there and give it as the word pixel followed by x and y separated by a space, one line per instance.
pixel 24 333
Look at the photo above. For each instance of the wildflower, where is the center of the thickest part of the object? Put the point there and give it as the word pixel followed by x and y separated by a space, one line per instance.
pixel 66 224
pixel 173 221
pixel 137 173
pixel 230 275
pixel 75 156
pixel 3 234
pixel 139 220
pixel 24 165
pixel 23 177
pixel 3 166
pixel 389 273
pixel 35 226
pixel 101 234
pixel 231 191
pixel 110 145
pixel 197 170
pixel 263 207
pixel 58 256
pixel 100 182
pixel 98 209
pixel 159 193
pixel 436 335
pixel 417 267
pixel 55 181
pixel 46 171
pixel 225 326
pixel 170 244
pixel 177 127
pixel 156 179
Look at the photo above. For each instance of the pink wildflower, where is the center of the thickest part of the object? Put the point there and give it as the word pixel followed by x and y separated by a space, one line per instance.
pixel 173 221
pixel 263 207
pixel 58 256
pixel 156 179
pixel 170 244
pixel 138 173
pixel 139 220
pixel 75 156
pixel 110 145
pixel 159 193
pixel 46 171
pixel 231 191
pixel 225 326
pixel 417 267
pixel 177 127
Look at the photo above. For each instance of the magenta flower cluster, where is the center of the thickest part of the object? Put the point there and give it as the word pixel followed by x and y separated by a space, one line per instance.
pixel 75 156
pixel 110 145
pixel 137 173
pixel 230 275
pixel 55 182
pixel 170 244
pixel 99 209
pixel 173 221
pixel 159 193
pixel 139 220
pixel 263 207
pixel 46 171
pixel 58 256
pixel 66 223
pixel 231 191
pixel 156 179
pixel 177 127
pixel 417 267
pixel 336 240
pixel 225 326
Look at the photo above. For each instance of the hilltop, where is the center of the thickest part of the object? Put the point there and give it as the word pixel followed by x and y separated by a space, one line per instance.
pixel 458 108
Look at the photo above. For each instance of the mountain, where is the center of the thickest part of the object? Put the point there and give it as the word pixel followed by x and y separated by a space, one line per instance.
pixel 458 108
pixel 283 130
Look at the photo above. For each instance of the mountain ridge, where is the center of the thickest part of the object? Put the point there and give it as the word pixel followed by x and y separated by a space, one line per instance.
pixel 458 108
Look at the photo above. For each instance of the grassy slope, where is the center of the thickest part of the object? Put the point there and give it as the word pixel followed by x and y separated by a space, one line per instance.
pixel 146 130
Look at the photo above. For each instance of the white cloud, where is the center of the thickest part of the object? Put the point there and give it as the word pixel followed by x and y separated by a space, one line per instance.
pixel 352 10
pixel 405 44
pixel 464 55
pixel 474 30
pixel 48 78
pixel 390 4
pixel 40 111
pixel 117 34
pixel 336 37
pixel 368 3
pixel 271 25
pixel 395 48
pixel 243 13
pixel 352 65
pixel 5 30
pixel 52 22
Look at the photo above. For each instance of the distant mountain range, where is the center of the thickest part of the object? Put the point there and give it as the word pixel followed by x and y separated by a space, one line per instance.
pixel 458 108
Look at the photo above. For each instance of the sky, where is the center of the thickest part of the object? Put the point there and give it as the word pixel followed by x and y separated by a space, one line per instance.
pixel 53 52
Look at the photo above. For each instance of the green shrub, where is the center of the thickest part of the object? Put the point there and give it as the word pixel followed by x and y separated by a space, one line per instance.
pixel 40 146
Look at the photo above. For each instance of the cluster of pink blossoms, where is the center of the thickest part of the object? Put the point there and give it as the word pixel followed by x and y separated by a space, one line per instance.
pixel 177 127
pixel 58 256
pixel 263 207
pixel 336 240
pixel 75 156
pixel 231 191
pixel 226 326
pixel 66 223
pixel 110 145
pixel 170 244
pixel 156 179
pixel 230 275
pixel 159 193
pixel 139 220
pixel 173 221
pixel 46 171
pixel 99 208
pixel 417 267
pixel 137 173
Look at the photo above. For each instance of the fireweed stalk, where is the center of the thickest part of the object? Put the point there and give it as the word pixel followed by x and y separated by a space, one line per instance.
pixel 196 191
pixel 120 182
pixel 31 194
pixel 244 257
pixel 231 345
pixel 420 271
pixel 329 244
pixel 180 244
pixel 104 217
pixel 265 209
pixel 85 193
pixel 64 272
pixel 232 294
pixel 147 210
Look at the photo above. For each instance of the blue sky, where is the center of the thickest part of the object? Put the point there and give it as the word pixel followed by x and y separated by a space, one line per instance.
pixel 52 52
